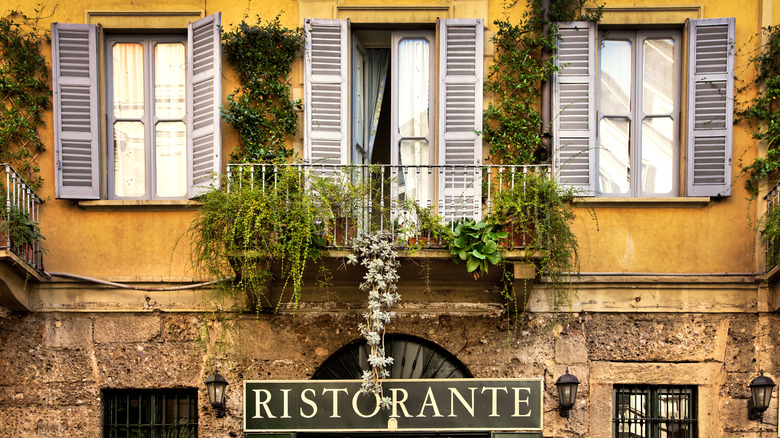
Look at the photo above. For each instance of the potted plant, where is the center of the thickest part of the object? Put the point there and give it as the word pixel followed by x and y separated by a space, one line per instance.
pixel 476 244
pixel 428 228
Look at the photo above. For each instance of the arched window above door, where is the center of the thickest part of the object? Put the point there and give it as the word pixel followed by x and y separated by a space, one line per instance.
pixel 413 358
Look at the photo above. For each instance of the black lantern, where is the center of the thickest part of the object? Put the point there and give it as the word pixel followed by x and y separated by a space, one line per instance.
pixel 216 385
pixel 760 395
pixel 567 392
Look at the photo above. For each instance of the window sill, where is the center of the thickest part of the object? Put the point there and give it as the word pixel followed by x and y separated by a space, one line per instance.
pixel 142 205
pixel 660 202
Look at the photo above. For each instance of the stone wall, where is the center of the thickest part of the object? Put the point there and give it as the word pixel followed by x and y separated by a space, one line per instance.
pixel 56 364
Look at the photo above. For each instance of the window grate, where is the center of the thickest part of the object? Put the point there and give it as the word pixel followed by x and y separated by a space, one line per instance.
pixel 648 411
pixel 150 413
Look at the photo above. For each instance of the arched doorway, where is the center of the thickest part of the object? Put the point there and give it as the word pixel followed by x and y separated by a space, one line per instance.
pixel 414 358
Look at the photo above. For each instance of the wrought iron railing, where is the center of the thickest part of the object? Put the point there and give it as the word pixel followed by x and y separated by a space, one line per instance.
pixel 393 198
pixel 772 244
pixel 20 231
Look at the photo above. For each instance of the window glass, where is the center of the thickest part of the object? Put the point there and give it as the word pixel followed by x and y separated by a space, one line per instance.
pixel 614 156
pixel 128 81
pixel 169 80
pixel 171 159
pixel 413 87
pixel 615 79
pixel 129 159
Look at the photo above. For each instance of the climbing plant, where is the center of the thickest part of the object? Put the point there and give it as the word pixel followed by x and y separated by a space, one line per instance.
pixel 762 112
pixel 525 56
pixel 261 109
pixel 25 93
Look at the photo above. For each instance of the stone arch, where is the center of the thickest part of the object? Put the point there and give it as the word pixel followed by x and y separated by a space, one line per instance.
pixel 413 358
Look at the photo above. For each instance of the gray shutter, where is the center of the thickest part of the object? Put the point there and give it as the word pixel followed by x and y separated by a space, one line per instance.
pixel 461 49
pixel 326 94
pixel 204 97
pixel 76 126
pixel 710 106
pixel 574 107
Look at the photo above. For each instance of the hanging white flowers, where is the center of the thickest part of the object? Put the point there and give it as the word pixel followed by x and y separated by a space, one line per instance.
pixel 376 253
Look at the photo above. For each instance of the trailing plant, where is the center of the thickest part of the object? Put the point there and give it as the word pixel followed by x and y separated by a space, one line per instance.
pixel 763 111
pixel 17 225
pixel 25 93
pixel 526 54
pixel 538 208
pixel 771 234
pixel 375 252
pixel 261 109
pixel 476 243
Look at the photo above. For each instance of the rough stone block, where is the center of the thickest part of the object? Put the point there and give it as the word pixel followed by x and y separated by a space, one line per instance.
pixel 68 331
pixel 571 349
pixel 740 349
pixel 126 328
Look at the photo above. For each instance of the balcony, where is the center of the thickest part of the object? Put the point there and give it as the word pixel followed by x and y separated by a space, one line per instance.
pixel 771 231
pixel 406 202
pixel 420 208
pixel 21 254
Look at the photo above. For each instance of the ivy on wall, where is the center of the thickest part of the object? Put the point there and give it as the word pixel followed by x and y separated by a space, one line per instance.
pixel 526 54
pixel 261 109
pixel 763 112
pixel 25 93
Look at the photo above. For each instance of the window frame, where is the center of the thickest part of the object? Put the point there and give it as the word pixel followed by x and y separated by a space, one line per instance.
pixel 149 118
pixel 652 423
pixel 157 420
pixel 636 115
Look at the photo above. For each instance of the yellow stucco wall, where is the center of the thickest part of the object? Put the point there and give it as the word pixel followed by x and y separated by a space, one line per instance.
pixel 123 242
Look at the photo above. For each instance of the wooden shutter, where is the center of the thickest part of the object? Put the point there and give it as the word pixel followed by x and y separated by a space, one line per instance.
pixel 326 94
pixel 710 106
pixel 204 97
pixel 574 107
pixel 76 126
pixel 460 117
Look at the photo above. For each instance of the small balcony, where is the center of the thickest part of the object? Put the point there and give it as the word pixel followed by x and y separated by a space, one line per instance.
pixel 411 204
pixel 21 254
pixel 771 231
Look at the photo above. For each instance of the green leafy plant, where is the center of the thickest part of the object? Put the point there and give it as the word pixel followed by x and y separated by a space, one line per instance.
pixel 19 228
pixel 425 227
pixel 771 234
pixel 261 109
pixel 763 112
pixel 25 93
pixel 526 55
pixel 476 243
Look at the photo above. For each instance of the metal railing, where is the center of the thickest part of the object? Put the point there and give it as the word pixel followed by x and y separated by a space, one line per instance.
pixel 20 231
pixel 772 245
pixel 397 199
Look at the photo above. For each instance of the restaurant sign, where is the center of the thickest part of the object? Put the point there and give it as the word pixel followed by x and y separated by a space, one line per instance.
pixel 416 405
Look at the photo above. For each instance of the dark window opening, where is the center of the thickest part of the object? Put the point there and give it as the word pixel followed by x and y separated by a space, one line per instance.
pixel 150 413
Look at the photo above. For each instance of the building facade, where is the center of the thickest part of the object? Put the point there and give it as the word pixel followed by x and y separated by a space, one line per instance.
pixel 112 332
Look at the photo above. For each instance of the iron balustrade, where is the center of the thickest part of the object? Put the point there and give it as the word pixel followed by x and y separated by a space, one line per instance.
pixel 393 195
pixel 22 213
pixel 772 246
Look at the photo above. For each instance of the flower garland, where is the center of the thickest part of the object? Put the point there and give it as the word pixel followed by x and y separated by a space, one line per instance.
pixel 376 253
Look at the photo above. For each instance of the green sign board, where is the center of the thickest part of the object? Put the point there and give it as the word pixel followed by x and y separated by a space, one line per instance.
pixel 434 405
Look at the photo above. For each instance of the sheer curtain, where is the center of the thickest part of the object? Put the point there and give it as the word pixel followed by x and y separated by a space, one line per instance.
pixel 413 108
pixel 171 134
pixel 129 138
pixel 378 62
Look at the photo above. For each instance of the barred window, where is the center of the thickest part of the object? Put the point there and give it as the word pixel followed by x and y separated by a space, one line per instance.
pixel 150 412
pixel 650 411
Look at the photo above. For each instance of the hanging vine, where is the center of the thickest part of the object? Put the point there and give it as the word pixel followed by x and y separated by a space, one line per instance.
pixel 376 253
pixel 261 109
pixel 526 54
pixel 24 92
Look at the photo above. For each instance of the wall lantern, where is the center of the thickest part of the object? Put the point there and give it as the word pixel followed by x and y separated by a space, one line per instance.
pixel 760 395
pixel 216 384
pixel 567 392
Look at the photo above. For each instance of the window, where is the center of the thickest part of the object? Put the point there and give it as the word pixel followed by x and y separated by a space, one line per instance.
pixel 647 411
pixel 146 116
pixel 351 72
pixel 150 412
pixel 163 93
pixel 617 101
pixel 638 104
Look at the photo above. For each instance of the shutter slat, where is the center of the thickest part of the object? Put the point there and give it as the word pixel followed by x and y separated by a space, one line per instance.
pixel 326 94
pixel 204 97
pixel 574 112
pixel 76 123
pixel 710 116
pixel 460 109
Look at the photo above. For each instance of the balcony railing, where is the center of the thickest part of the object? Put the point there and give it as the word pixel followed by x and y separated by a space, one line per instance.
pixel 772 244
pixel 19 229
pixel 393 198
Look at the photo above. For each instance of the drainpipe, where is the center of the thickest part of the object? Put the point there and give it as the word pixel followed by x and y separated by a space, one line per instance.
pixel 546 91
